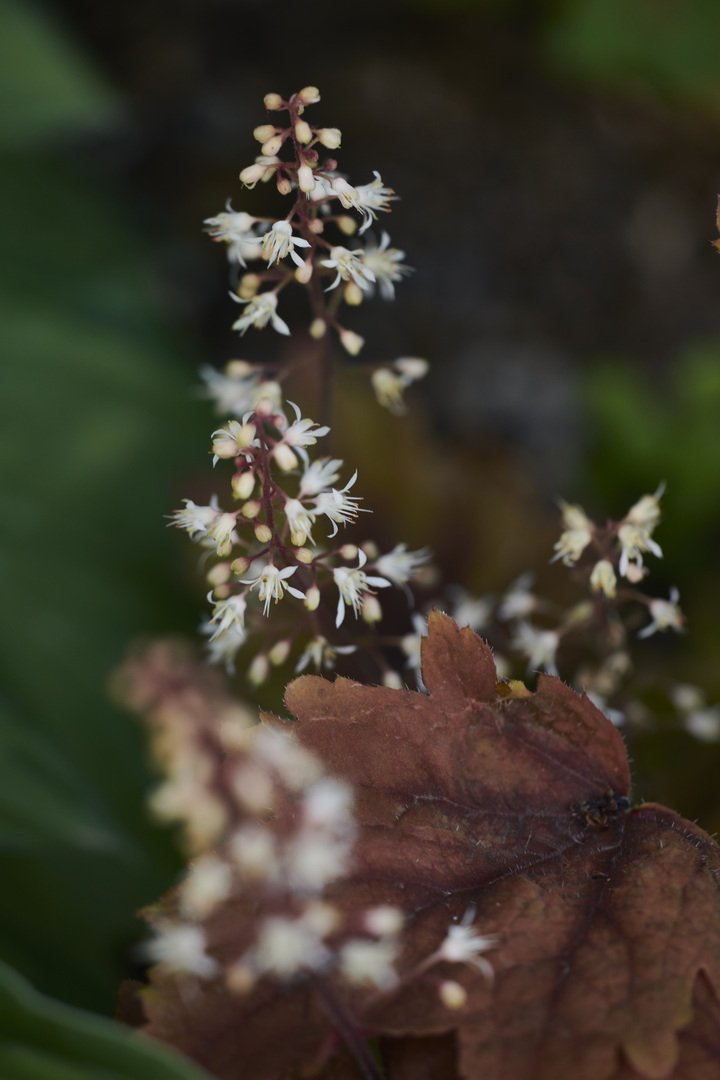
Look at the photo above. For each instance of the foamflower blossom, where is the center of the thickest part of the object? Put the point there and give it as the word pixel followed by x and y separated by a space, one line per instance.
pixel 390 383
pixel 319 475
pixel 399 565
pixel 303 432
pixel 321 654
pixel 349 266
pixel 180 949
pixel 194 519
pixel 353 584
pixel 463 946
pixel 539 646
pixel 228 617
pixel 259 311
pixel 300 522
pixel 271 584
pixel 576 535
pixel 338 506
pixel 665 615
pixel 371 198
pixel 386 264
pixel 279 242
pixel 635 535
pixel 236 230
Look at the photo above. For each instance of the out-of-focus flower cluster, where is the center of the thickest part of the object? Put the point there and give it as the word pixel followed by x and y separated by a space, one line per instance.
pixel 267 832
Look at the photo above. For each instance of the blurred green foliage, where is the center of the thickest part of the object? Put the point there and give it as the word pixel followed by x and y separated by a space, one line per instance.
pixel 91 374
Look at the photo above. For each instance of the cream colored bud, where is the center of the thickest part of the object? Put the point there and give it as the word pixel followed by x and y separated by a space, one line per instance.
pixel 265 406
pixel 238 369
pixel 351 342
pixel 318 329
pixel 258 670
pixel 271 147
pixel 346 224
pixel 312 598
pixel 330 137
pixel 349 552
pixel 251 174
pixel 221 592
pixel 322 918
pixel 452 994
pixel 264 132
pixel 371 609
pixel 219 574
pixel 304 272
pixel 384 920
pixel 279 653
pixel 248 286
pixel 316 225
pixel 263 534
pixel 283 185
pixel 285 457
pixel 303 132
pixel 240 977
pixel 240 565
pixel 242 485
pixel 309 95
pixel 273 102
pixel 371 549
pixel 251 509
pixel 304 555
pixel 352 294
pixel 306 179
pixel 392 680
pixel 603 578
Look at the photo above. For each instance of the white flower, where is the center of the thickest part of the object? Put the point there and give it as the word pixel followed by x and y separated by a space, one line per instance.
pixel 223 647
pixel 235 229
pixel 539 646
pixel 463 946
pixel 371 198
pixel 233 390
pixel 179 949
pixel 411 644
pixel 300 521
pixel 321 654
pixel 286 946
pixel 386 264
pixel 350 266
pixel 301 432
pixel 518 601
pixel 196 520
pixel 635 535
pixel 338 506
pixel 364 962
pixel 344 191
pixel 228 617
pixel 279 242
pixel 271 585
pixel 208 883
pixel 666 615
pixel 318 475
pixel 260 310
pixel 603 578
pixel 469 610
pixel 230 441
pixel 399 565
pixel 352 584
pixel 576 537
pixel 222 532
pixel 389 388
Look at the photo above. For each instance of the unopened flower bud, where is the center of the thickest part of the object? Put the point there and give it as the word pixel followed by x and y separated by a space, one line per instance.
pixel 238 369
pixel 219 574
pixel 352 294
pixel 271 147
pixel 603 578
pixel 221 592
pixel 285 457
pixel 371 549
pixel 412 367
pixel 351 342
pixel 306 179
pixel 391 679
pixel 304 555
pixel 251 509
pixel 452 994
pixel 304 272
pixel 283 185
pixel 309 95
pixel 273 102
pixel 243 484
pixel 318 329
pixel 263 534
pixel 330 137
pixel 384 920
pixel 248 286
pixel 303 132
pixel 279 653
pixel 251 174
pixel 240 977
pixel 316 225
pixel 240 565
pixel 265 406
pixel 264 132
pixel 349 552
pixel 371 609
pixel 346 224
pixel 312 598
pixel 258 670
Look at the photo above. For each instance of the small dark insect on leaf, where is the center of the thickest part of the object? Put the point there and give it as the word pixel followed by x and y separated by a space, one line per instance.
pixel 598 813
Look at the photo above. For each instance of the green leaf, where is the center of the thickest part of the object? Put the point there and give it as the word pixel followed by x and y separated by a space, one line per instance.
pixel 41 1039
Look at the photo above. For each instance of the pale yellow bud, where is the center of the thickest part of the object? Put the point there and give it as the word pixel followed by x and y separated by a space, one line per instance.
pixel 251 509
pixel 351 342
pixel 273 102
pixel 452 994
pixel 306 179
pixel 318 329
pixel 285 457
pixel 316 225
pixel 392 680
pixel 265 405
pixel 271 147
pixel 304 555
pixel 219 574
pixel 242 485
pixel 371 550
pixel 240 565
pixel 251 174
pixel 283 185
pixel 312 598
pixel 264 132
pixel 371 609
pixel 603 578
pixel 349 552
pixel 238 369
pixel 263 534
pixel 352 294
pixel 304 273
pixel 309 95
pixel 221 592
pixel 240 977
pixel 248 286
pixel 258 670
pixel 303 132
pixel 346 224
pixel 330 137
pixel 279 653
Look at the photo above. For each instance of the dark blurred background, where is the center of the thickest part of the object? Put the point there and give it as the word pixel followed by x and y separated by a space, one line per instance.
pixel 558 164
